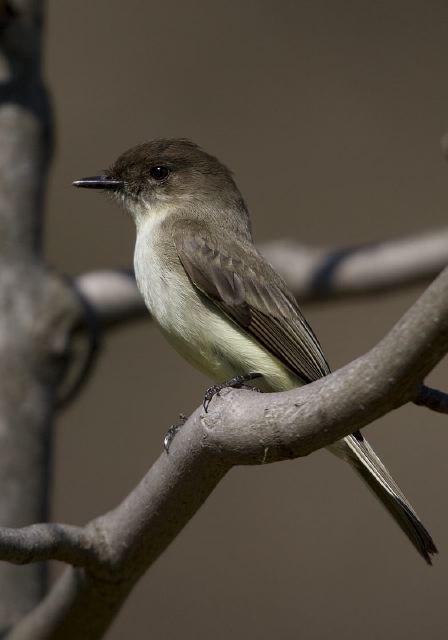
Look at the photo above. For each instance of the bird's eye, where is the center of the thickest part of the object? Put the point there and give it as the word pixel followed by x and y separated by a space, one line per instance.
pixel 158 172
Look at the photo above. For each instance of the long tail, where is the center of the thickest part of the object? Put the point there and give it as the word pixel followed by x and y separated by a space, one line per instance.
pixel 357 451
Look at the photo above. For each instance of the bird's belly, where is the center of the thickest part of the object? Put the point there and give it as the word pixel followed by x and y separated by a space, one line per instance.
pixel 214 345
pixel 201 333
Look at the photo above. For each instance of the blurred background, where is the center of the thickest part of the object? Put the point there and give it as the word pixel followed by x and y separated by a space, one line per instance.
pixel 330 114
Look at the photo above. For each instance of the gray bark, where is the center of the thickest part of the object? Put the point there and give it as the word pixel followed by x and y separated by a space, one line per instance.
pixel 241 427
pixel 34 306
pixel 38 315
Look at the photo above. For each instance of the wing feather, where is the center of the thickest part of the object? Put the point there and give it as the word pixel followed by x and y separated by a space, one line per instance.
pixel 253 295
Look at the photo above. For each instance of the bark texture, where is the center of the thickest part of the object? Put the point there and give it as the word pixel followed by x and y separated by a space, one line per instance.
pixel 39 314
pixel 110 554
pixel 35 306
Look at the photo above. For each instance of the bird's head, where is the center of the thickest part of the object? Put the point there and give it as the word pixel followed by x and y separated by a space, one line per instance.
pixel 168 174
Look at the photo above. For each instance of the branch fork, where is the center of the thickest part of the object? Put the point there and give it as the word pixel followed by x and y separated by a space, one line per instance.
pixel 241 427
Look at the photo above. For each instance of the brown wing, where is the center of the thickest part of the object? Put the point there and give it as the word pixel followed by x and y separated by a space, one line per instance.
pixel 238 280
pixel 243 285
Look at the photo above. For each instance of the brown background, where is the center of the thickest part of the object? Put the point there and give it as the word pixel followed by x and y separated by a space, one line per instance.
pixel 330 114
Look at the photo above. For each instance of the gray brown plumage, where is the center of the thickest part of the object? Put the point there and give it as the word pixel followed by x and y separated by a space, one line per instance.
pixel 216 298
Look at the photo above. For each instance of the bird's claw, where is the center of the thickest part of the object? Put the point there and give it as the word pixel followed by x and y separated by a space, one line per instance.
pixel 236 382
pixel 210 393
pixel 171 433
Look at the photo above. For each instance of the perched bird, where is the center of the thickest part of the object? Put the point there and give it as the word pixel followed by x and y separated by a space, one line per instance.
pixel 216 299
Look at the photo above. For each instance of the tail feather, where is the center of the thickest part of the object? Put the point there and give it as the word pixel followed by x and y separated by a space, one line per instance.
pixel 360 454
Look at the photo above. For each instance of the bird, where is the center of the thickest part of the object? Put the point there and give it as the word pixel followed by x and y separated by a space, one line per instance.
pixel 217 300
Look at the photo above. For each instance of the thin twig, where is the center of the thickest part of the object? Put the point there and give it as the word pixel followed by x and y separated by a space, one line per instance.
pixel 432 399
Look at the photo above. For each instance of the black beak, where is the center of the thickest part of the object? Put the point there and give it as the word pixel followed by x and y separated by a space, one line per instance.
pixel 98 182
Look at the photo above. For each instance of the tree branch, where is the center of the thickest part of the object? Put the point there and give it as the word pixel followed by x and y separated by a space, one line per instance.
pixel 241 427
pixel 432 399
pixel 38 310
pixel 111 295
pixel 37 319
pixel 25 394
pixel 311 273
pixel 321 274
pixel 50 541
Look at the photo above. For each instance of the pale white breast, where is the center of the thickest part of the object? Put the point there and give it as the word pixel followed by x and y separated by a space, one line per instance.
pixel 204 336
pixel 159 285
pixel 170 297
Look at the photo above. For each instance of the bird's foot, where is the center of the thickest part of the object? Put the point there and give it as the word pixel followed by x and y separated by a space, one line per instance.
pixel 171 433
pixel 238 382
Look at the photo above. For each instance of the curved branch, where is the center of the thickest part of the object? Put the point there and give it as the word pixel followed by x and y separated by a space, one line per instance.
pixel 311 273
pixel 241 427
pixel 49 541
